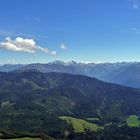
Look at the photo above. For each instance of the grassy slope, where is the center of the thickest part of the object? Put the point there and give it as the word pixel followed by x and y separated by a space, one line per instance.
pixel 79 125
pixel 133 121
pixel 93 119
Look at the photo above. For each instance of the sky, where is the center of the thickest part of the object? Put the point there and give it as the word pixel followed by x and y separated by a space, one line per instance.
pixel 40 31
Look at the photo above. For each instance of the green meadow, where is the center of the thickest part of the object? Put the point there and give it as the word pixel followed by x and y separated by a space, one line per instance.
pixel 93 119
pixel 80 125
pixel 133 121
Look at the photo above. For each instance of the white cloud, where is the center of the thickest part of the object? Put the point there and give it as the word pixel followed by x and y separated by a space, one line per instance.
pixel 23 45
pixel 19 45
pixel 43 49
pixel 63 46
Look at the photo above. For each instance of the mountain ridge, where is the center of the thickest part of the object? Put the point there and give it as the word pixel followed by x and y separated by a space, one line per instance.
pixel 40 99
pixel 117 73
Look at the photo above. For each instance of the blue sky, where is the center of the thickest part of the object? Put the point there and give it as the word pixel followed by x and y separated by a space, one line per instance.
pixel 80 30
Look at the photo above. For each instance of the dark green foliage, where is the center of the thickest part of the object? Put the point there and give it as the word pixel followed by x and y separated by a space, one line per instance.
pixel 112 132
pixel 31 102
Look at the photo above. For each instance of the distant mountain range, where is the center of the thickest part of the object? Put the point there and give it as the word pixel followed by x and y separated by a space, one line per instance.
pixel 127 74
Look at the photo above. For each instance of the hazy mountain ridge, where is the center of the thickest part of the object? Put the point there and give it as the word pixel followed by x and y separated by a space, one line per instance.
pixel 121 73
pixel 10 67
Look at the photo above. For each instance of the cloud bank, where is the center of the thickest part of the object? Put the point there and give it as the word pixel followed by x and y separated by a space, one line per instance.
pixel 23 45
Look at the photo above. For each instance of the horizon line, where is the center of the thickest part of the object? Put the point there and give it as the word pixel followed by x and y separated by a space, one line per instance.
pixel 70 62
